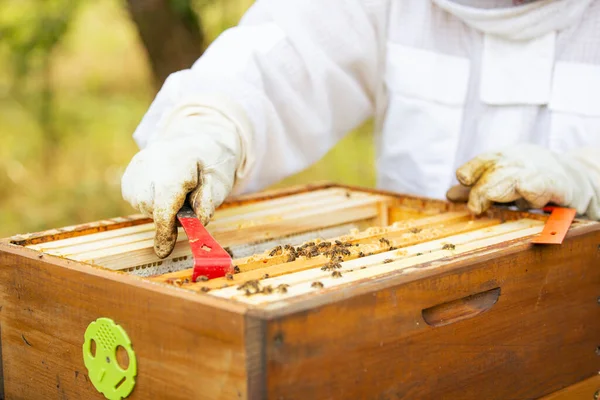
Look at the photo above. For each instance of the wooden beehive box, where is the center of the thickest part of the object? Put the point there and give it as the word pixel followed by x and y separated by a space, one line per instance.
pixel 396 298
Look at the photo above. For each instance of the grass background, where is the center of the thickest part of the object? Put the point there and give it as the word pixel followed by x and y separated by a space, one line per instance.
pixel 102 87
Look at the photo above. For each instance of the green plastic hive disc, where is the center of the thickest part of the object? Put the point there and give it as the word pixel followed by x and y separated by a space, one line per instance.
pixel 102 339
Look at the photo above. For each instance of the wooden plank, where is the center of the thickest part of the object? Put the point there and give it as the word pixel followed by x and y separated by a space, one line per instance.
pixel 243 211
pixel 94 237
pixel 47 304
pixel 77 230
pixel 287 204
pixel 363 269
pixel 317 262
pixel 588 389
pixel 106 240
pixel 302 197
pixel 396 231
pixel 142 252
pixel 136 219
pixel 399 213
pixel 371 341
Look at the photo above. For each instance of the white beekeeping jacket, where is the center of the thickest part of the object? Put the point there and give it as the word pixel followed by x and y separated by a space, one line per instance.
pixel 445 82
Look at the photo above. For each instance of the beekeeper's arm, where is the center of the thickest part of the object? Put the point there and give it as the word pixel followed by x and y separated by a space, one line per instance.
pixel 536 175
pixel 267 99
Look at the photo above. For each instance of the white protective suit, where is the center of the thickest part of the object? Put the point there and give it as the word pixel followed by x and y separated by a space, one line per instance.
pixel 446 83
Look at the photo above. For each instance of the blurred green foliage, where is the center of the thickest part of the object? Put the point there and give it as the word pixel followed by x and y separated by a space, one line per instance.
pixel 74 84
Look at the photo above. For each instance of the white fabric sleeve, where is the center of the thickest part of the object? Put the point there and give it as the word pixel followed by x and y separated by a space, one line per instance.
pixel 304 72
pixel 584 166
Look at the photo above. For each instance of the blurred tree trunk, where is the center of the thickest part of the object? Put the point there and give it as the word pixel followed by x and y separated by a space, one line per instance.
pixel 171 33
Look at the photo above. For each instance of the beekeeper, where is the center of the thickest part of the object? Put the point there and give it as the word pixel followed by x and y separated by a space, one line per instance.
pixel 500 97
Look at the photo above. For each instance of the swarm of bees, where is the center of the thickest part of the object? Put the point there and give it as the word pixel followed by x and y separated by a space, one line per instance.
pixel 335 251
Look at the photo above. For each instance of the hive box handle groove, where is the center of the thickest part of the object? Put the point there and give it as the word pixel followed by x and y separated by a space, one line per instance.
pixel 458 310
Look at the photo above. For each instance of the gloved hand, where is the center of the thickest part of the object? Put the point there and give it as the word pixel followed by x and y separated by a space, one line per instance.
pixel 534 175
pixel 194 155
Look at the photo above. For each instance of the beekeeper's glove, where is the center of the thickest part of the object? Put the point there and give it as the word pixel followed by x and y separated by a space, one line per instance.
pixel 534 175
pixel 196 154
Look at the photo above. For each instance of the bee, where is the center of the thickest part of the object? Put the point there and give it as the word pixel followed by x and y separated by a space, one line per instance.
pixel 448 246
pixel 229 277
pixel 291 257
pixel 282 288
pixel 384 241
pixel 361 254
pixel 236 269
pixel 228 250
pixel 202 278
pixel 415 230
pixel 275 251
pixel 331 266
pixel 419 254
pixel 267 290
pixel 386 261
pixel 317 285
pixel 265 276
pixel 252 284
pixel 336 274
pixel 186 280
pixel 363 267
pixel 338 243
pixel 324 245
pixel 288 247
pixel 205 289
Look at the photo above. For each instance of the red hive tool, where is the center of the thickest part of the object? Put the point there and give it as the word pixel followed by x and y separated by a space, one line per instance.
pixel 210 259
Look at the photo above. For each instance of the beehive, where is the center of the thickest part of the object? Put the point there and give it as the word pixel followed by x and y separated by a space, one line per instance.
pixel 339 292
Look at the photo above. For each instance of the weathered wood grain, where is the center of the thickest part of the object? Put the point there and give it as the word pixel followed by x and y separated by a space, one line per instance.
pixel 186 347
pixel 539 337
pixel 588 389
